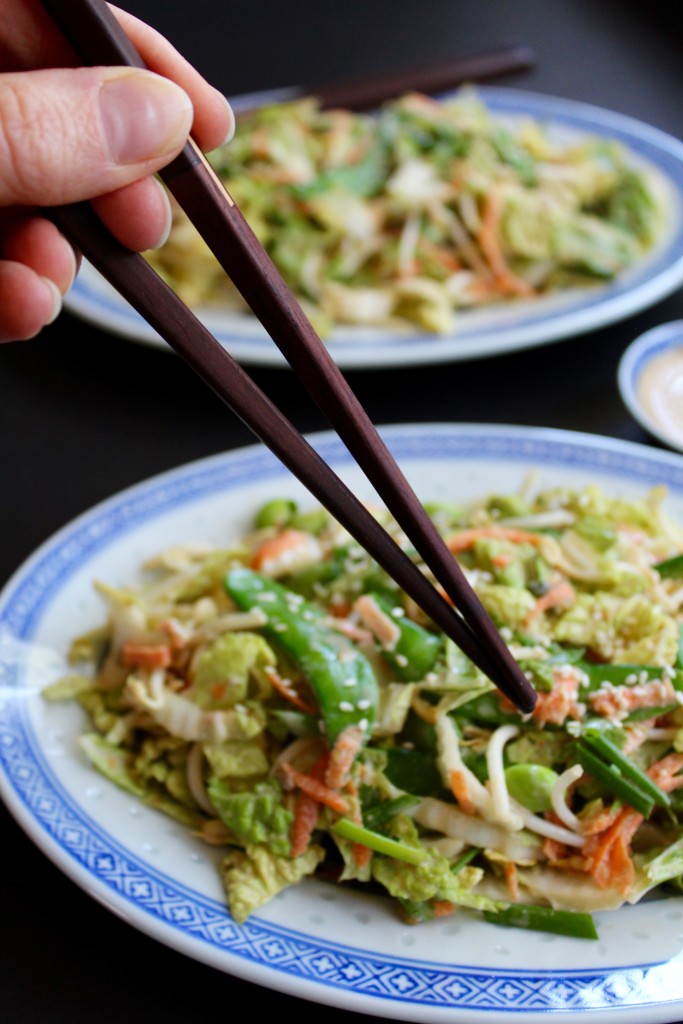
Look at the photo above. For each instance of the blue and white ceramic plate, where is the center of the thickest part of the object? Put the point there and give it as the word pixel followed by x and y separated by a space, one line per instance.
pixel 484 332
pixel 315 941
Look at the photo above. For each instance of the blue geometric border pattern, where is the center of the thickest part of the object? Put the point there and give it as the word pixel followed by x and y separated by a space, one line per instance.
pixel 185 912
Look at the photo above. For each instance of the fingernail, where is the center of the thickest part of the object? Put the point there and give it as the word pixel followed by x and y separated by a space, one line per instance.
pixel 56 297
pixel 231 114
pixel 73 270
pixel 144 116
pixel 163 238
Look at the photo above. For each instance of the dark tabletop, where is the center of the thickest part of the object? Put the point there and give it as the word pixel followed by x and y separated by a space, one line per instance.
pixel 84 414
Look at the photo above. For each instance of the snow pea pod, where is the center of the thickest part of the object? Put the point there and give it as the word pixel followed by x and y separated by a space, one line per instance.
pixel 339 675
pixel 416 650
pixel 617 760
pixel 414 771
pixel 625 675
pixel 611 777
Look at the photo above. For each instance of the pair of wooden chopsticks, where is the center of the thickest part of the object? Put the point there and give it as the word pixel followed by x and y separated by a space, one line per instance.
pixel 97 39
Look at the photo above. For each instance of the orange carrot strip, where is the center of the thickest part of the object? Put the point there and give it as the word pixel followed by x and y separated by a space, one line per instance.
pixel 561 702
pixel 559 595
pixel 362 855
pixel 464 539
pixel 146 655
pixel 599 821
pixel 286 690
pixel 275 547
pixel 318 790
pixel 607 853
pixel 461 791
pixel 306 813
pixel 489 240
pixel 553 850
pixel 665 772
pixel 511 879
pixel 343 754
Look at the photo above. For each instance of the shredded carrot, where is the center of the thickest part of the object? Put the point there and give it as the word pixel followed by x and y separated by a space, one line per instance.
pixel 285 689
pixel 461 791
pixel 315 788
pixel 343 754
pixel 562 701
pixel 464 539
pixel 599 821
pixel 607 852
pixel 628 698
pixel 511 879
pixel 553 849
pixel 306 812
pixel 146 655
pixel 664 773
pixel 362 855
pixel 340 609
pixel 561 595
pixel 352 631
pixel 442 908
pixel 275 547
pixel 381 625
pixel 490 241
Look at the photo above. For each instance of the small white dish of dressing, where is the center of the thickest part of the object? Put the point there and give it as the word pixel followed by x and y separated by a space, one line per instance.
pixel 650 379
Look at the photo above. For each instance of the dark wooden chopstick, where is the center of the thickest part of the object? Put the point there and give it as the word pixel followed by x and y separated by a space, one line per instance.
pixel 369 92
pixel 140 285
pixel 97 38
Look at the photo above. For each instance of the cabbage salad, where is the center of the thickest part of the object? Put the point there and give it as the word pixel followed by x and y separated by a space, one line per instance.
pixel 288 704
pixel 430 207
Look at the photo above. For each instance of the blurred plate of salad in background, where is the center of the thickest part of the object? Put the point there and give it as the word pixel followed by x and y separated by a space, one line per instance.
pixel 484 222
pixel 332 944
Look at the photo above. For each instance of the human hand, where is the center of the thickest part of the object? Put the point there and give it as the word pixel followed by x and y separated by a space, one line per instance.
pixel 68 134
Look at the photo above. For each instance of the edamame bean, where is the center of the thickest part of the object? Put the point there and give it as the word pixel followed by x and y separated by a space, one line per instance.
pixel 278 512
pixel 531 785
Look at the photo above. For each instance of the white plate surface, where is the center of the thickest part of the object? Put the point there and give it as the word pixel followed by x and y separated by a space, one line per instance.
pixel 316 941
pixel 485 332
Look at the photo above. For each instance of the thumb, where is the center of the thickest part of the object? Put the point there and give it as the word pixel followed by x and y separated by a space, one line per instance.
pixel 73 134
